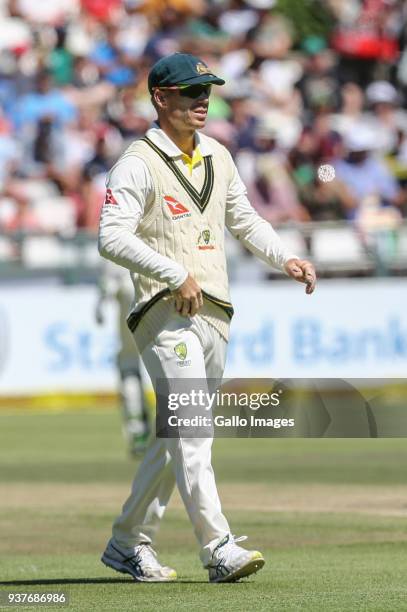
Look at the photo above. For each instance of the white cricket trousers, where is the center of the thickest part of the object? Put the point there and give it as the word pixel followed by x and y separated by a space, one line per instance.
pixel 182 461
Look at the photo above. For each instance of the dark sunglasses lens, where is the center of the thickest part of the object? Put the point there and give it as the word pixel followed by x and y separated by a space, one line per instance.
pixel 194 91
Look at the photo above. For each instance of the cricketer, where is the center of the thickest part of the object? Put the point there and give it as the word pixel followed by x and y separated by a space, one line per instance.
pixel 169 198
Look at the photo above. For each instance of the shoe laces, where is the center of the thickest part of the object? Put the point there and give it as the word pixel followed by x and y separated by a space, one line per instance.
pixel 148 555
pixel 229 547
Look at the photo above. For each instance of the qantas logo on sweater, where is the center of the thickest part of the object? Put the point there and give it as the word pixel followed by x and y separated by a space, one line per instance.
pixel 110 199
pixel 177 210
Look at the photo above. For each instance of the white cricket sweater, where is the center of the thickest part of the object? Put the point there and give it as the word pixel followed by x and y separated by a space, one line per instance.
pixel 161 223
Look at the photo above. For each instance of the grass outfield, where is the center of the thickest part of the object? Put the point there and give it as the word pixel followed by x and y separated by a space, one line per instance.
pixel 329 515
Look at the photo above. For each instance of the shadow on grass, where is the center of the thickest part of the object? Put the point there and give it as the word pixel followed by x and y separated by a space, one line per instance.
pixel 62 581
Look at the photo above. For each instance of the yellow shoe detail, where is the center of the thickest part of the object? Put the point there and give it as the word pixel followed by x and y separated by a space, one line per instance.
pixel 256 555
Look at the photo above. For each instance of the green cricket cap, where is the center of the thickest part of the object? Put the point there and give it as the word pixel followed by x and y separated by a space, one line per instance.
pixel 181 69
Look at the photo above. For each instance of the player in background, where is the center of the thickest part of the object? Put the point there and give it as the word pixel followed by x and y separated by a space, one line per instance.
pixel 115 284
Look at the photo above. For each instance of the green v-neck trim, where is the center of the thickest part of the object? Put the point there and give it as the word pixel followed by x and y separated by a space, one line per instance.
pixel 200 198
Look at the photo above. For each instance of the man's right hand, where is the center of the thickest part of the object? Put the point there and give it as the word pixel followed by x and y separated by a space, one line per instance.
pixel 188 297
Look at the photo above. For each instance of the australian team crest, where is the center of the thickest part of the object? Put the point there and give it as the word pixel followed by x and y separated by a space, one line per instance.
pixel 181 352
pixel 202 69
pixel 206 241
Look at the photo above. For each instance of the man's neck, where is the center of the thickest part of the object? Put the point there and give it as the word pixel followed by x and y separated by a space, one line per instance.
pixel 184 141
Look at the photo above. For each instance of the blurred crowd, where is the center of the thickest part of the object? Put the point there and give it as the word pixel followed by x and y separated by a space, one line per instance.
pixel 313 110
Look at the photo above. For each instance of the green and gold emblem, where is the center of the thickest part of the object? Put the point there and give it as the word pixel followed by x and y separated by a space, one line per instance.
pixel 181 350
pixel 202 69
pixel 205 240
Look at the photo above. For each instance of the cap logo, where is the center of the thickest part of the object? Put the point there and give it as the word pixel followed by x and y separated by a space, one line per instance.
pixel 202 69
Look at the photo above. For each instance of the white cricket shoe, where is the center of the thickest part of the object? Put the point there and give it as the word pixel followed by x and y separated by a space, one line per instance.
pixel 140 562
pixel 231 562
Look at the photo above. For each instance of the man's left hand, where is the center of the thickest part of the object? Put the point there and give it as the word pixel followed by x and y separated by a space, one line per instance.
pixel 302 271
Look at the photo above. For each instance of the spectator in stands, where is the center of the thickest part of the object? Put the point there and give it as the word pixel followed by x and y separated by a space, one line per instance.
pixel 102 10
pixel 387 116
pixel 61 60
pixel 264 171
pixel 324 201
pixel 13 201
pixel 364 174
pixel 126 113
pixel 318 84
pixel 351 108
pixel 46 101
pixel 114 64
pixel 92 184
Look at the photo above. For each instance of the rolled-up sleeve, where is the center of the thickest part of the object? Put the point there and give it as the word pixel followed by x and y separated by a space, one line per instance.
pixel 129 188
pixel 254 232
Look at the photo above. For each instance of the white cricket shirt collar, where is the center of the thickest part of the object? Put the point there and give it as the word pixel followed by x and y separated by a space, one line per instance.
pixel 164 142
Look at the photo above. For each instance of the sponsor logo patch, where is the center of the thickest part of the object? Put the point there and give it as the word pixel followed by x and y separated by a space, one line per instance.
pixel 110 200
pixel 205 241
pixel 177 210
pixel 181 352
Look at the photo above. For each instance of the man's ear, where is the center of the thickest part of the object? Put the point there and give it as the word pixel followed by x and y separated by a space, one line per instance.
pixel 159 99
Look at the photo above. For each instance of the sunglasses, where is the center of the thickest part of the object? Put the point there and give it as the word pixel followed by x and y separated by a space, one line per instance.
pixel 191 91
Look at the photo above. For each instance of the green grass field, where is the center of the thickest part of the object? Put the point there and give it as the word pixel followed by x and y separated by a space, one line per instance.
pixel 329 515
